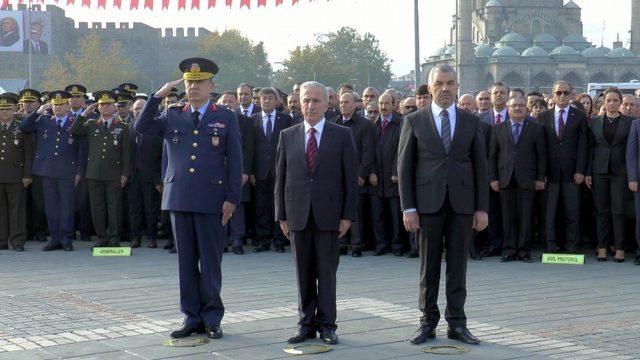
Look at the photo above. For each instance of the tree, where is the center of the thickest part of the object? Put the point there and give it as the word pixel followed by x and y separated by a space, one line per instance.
pixel 339 58
pixel 95 65
pixel 238 58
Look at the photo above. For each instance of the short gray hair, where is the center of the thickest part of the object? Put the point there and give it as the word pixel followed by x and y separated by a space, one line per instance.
pixel 444 68
pixel 315 85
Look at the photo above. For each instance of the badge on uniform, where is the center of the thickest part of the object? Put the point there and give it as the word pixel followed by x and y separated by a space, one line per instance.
pixel 70 140
pixel 175 136
pixel 16 141
pixel 45 135
pixel 215 141
pixel 115 140
pixel 219 125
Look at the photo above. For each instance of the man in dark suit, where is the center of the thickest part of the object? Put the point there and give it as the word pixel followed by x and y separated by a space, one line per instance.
pixel 567 149
pixel 363 134
pixel 204 159
pixel 385 203
pixel 34 44
pixel 633 171
pixel 268 124
pixel 496 114
pixel 237 224
pixel 444 192
pixel 245 97
pixel 316 197
pixel 517 167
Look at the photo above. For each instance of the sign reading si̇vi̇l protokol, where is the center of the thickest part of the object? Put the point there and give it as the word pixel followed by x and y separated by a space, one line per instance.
pixel 566 259
pixel 112 251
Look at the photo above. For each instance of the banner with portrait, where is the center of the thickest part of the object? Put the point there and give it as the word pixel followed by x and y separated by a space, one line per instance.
pixel 11 31
pixel 37 33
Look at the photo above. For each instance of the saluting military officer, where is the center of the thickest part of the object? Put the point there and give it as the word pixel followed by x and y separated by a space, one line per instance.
pixel 78 99
pixel 108 165
pixel 60 161
pixel 16 154
pixel 202 186
pixel 123 110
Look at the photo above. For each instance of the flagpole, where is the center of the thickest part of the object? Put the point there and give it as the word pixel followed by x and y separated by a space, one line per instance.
pixel 29 41
pixel 416 20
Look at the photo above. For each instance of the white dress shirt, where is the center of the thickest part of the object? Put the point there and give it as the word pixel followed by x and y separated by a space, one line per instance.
pixel 437 117
pixel 265 120
pixel 319 127
pixel 503 115
pixel 556 116
pixel 248 110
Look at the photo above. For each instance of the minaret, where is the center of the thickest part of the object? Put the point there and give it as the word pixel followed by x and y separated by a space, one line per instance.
pixel 635 26
pixel 464 47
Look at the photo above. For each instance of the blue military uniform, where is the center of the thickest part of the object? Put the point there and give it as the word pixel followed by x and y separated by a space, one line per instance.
pixel 59 158
pixel 203 170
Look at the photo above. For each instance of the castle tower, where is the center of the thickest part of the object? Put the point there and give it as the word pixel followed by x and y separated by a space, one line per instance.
pixel 635 26
pixel 464 47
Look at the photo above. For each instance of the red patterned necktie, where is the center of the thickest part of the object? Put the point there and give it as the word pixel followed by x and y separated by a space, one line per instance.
pixel 498 119
pixel 312 149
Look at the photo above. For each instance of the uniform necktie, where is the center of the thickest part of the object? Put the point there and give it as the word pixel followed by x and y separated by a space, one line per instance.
pixel 105 123
pixel 196 118
pixel 445 136
pixel 59 124
pixel 4 127
pixel 561 123
pixel 515 133
pixel 37 48
pixel 498 119
pixel 269 131
pixel 312 149
pixel 245 112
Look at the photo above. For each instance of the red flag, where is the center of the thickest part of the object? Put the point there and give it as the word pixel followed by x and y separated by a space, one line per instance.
pixel 102 3
pixel 117 3
pixel 165 4
pixel 5 3
pixel 86 3
pixel 70 2
pixel 148 4
pixel 246 3
pixel 211 4
pixel 133 5
pixel 279 2
pixel 182 4
pixel 195 4
pixel 293 2
pixel 262 3
pixel 228 2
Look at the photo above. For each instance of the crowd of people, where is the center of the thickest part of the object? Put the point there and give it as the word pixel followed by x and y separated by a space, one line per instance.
pixel 556 162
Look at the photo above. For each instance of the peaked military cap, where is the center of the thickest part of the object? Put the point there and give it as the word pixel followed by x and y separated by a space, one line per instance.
pixel 104 97
pixel 30 95
pixel 141 97
pixel 76 90
pixel 198 69
pixel 129 87
pixel 8 100
pixel 59 97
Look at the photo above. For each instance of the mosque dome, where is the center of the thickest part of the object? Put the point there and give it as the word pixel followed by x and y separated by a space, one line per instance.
pixel 534 51
pixel 505 51
pixel 621 53
pixel 493 3
pixel 483 51
pixel 592 52
pixel 564 50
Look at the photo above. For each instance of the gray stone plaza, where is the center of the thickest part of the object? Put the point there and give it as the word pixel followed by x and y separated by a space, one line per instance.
pixel 71 305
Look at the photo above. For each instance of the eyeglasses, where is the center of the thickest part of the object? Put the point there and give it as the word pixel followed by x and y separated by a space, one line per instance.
pixel 565 93
pixel 410 107
pixel 374 112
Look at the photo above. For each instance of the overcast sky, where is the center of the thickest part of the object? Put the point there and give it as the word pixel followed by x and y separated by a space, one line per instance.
pixel 391 21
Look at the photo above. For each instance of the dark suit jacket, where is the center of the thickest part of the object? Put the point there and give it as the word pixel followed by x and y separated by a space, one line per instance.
pixel 248 133
pixel 386 157
pixel 44 49
pixel 329 191
pixel 608 158
pixel 425 170
pixel 264 155
pixel 525 160
pixel 633 148
pixel 146 157
pixel 363 134
pixel 566 155
pixel 256 110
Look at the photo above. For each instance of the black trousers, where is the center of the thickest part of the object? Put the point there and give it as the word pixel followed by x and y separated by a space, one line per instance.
pixel 567 196
pixel 517 212
pixel 143 209
pixel 106 209
pixel 266 227
pixel 609 197
pixel 355 233
pixel 453 231
pixel 316 256
pixel 386 208
pixel 13 214
pixel 36 216
pixel 495 221
pixel 84 222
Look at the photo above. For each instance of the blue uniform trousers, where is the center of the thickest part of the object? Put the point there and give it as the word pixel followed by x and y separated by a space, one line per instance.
pixel 200 240
pixel 59 201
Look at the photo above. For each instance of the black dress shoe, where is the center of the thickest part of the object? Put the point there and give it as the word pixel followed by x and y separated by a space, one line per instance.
pixel 476 257
pixel 51 247
pixel 168 245
pixel 225 250
pixel 423 333
pixel 214 332
pixel 85 238
pixel 507 258
pixel 280 249
pixel 491 253
pixel 187 330
pixel 135 243
pixel 238 250
pixel 328 336
pixel 152 244
pixel 618 260
pixel 398 253
pixel 636 261
pixel 5 247
pixel 301 335
pixel 356 253
pixel 173 250
pixel 68 247
pixel 100 243
pixel 379 252
pixel 412 254
pixel 344 251
pixel 18 248
pixel 525 258
pixel 462 334
pixel 602 259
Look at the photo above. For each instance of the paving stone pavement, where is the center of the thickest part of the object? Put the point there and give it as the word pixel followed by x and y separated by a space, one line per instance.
pixel 71 305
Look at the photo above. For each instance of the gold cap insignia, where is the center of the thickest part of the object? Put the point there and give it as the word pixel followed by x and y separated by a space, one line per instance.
pixel 104 97
pixel 58 97
pixel 195 68
pixel 74 89
pixel 28 93
pixel 3 101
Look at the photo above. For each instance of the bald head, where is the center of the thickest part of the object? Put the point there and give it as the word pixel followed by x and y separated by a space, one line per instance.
pixel 467 102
